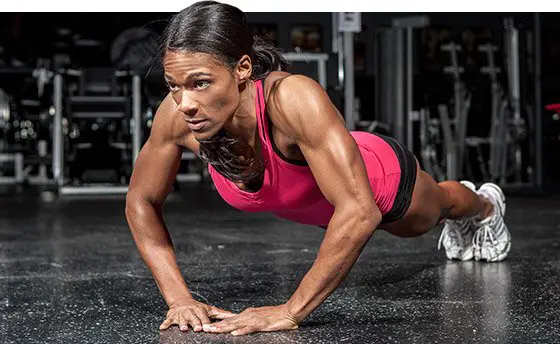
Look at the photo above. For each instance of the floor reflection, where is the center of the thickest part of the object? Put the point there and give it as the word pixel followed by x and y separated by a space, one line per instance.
pixel 475 299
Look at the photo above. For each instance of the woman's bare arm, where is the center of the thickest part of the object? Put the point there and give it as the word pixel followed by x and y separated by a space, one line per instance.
pixel 304 112
pixel 152 180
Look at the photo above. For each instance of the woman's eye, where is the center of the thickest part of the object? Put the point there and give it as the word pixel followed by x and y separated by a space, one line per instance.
pixel 201 84
pixel 172 87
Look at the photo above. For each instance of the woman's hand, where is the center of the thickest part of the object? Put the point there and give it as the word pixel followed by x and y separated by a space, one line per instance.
pixel 193 313
pixel 261 319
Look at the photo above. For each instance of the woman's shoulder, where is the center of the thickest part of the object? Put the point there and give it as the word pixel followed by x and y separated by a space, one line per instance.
pixel 271 81
pixel 283 91
pixel 283 86
pixel 285 82
pixel 290 96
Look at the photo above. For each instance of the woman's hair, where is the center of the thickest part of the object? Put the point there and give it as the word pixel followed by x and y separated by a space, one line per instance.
pixel 222 31
pixel 232 157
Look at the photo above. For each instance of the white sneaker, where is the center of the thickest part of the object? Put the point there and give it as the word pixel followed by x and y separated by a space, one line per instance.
pixel 457 235
pixel 492 240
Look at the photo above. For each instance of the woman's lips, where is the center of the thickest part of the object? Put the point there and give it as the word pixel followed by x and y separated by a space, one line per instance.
pixel 196 125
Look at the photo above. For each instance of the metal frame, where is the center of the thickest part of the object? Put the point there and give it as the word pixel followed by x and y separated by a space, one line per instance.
pixel 321 60
pixel 513 71
pixel 506 114
pixel 498 122
pixel 58 142
pixel 336 49
pixel 452 126
pixel 343 46
pixel 41 177
pixel 23 172
pixel 136 117
pixel 456 137
pixel 404 53
pixel 496 116
pixel 17 159
pixel 386 78
pixel 349 92
pixel 92 190
pixel 538 104
pixel 400 111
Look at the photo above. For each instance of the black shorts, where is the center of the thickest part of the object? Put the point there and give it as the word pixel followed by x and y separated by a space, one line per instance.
pixel 407 162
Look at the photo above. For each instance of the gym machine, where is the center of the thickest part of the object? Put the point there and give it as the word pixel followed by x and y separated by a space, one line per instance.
pixel 99 119
pixel 99 109
pixel 395 71
pixel 443 139
pixel 25 124
pixel 16 158
pixel 506 141
pixel 508 129
pixel 344 25
pixel 454 127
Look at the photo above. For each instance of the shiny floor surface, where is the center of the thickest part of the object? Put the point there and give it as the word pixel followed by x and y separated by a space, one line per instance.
pixel 70 273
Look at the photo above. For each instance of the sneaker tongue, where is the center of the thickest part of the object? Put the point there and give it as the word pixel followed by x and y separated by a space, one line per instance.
pixel 488 196
pixel 484 193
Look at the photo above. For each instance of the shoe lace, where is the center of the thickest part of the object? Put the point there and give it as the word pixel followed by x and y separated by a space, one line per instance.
pixel 453 230
pixel 485 233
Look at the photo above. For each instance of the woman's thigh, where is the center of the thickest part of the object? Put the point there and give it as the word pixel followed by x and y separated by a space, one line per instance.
pixel 428 206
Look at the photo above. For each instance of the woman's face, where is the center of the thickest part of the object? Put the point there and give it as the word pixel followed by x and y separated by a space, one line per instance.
pixel 205 90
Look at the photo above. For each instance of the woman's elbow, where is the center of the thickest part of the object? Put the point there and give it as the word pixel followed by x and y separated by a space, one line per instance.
pixel 135 204
pixel 365 213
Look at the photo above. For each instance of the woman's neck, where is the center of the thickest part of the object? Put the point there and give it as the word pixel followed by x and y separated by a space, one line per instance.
pixel 243 123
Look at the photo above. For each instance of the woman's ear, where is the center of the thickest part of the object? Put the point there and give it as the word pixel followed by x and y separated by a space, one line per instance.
pixel 244 68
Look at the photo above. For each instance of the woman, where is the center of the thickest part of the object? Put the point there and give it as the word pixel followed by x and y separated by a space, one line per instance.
pixel 274 142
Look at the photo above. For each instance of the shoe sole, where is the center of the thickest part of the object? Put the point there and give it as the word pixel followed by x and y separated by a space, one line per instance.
pixel 467 255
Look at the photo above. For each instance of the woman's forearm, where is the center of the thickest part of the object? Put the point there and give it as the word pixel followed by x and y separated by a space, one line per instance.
pixel 155 246
pixel 346 236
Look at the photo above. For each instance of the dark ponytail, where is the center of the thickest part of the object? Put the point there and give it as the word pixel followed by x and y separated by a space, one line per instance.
pixel 221 30
pixel 266 58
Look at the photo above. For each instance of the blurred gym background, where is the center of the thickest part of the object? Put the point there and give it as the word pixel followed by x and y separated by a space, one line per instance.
pixel 471 94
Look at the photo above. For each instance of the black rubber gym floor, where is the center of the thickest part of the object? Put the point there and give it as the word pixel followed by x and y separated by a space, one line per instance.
pixel 70 273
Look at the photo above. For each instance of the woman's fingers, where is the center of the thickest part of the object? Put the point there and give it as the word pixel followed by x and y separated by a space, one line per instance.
pixel 243 331
pixel 203 317
pixel 165 324
pixel 195 317
pixel 195 323
pixel 218 313
pixel 183 323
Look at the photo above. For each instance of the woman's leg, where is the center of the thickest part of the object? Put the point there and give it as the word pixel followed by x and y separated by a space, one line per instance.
pixel 474 224
pixel 463 202
pixel 434 202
